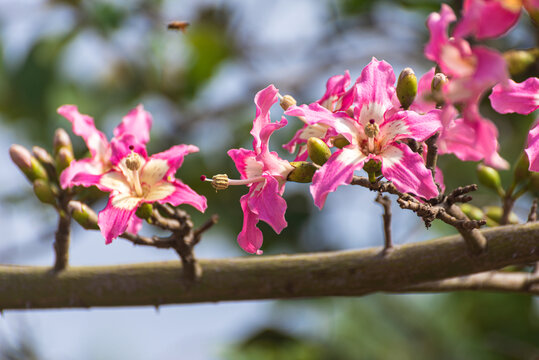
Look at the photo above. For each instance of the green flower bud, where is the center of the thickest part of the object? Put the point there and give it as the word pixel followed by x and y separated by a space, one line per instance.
pixel 63 159
pixel 46 160
pixel 144 211
pixel 438 82
pixel 521 172
pixel 303 172
pixel 287 101
pixel 407 87
pixel 318 150
pixel 28 164
pixel 340 142
pixel 61 140
pixel 45 191
pixel 495 213
pixel 490 178
pixel 83 214
pixel 472 212
pixel 518 61
pixel 373 168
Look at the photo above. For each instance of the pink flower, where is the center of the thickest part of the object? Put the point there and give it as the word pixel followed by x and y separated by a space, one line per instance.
pixel 264 173
pixel 522 98
pixel 373 133
pixel 487 18
pixel 471 70
pixel 80 172
pixel 336 98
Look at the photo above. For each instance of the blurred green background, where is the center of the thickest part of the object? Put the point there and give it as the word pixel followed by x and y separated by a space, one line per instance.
pixel 108 56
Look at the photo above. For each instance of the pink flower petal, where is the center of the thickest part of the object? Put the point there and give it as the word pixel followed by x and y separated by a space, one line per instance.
pixel 122 146
pixel 138 123
pixel 262 125
pixel 174 156
pixel 83 126
pixel 533 147
pixel 438 24
pixel 245 160
pixel 338 170
pixel 421 103
pixel 407 171
pixel 522 98
pixel 183 194
pixel 375 86
pixel 250 237
pixel 409 124
pixel 83 172
pixel 335 89
pixel 457 136
pixel 115 217
pixel 268 204
pixel 486 19
pixel 134 225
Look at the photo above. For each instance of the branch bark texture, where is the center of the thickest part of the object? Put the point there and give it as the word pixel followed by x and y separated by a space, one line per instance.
pixel 344 273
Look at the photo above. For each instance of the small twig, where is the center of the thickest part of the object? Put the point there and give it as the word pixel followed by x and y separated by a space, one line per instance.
pixel 386 203
pixel 63 233
pixel 432 153
pixel 532 216
pixel 508 203
pixel 205 227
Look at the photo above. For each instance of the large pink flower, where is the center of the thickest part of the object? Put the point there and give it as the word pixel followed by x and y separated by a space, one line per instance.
pixel 373 133
pixel 264 173
pixel 336 98
pixel 471 70
pixel 136 178
pixel 137 123
pixel 522 98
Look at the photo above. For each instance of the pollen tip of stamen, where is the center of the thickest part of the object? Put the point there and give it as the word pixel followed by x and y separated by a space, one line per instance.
pixel 203 177
pixel 372 121
pixel 131 147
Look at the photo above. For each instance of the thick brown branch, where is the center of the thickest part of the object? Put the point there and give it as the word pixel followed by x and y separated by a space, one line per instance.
pixel 347 273
pixel 526 283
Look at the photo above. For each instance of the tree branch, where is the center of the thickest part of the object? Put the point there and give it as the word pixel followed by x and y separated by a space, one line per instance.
pixel 345 273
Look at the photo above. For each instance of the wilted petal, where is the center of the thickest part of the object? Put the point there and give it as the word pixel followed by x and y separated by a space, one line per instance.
pixel 250 237
pixel 522 98
pixel 338 170
pixel 83 126
pixel 268 204
pixel 407 171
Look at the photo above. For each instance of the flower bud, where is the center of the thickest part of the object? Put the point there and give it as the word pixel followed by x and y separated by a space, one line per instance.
pixel 144 211
pixel 340 142
pixel 437 85
pixel 373 168
pixel 61 140
pixel 28 164
pixel 518 61
pixel 472 212
pixel 83 214
pixel 318 150
pixel 490 178
pixel 303 172
pixel 407 88
pixel 63 159
pixel 287 101
pixel 46 160
pixel 521 172
pixel 495 213
pixel 45 191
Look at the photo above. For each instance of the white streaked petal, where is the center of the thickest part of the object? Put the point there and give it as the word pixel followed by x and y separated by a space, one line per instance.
pixel 371 111
pixel 389 130
pixel 253 168
pixel 125 201
pixel 154 171
pixel 115 181
pixel 390 156
pixel 160 191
